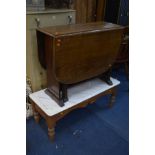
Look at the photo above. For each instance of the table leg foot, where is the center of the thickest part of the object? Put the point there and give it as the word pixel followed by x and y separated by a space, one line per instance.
pixel 51 134
pixel 51 129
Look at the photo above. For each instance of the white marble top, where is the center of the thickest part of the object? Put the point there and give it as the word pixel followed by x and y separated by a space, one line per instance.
pixel 76 95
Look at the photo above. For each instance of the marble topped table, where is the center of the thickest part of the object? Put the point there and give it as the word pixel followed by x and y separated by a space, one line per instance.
pixel 79 96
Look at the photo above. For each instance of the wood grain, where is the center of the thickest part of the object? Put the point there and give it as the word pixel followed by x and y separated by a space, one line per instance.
pixel 85 56
pixel 100 10
pixel 78 52
pixel 89 10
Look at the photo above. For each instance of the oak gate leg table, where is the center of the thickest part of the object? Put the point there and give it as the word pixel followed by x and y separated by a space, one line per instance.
pixel 79 96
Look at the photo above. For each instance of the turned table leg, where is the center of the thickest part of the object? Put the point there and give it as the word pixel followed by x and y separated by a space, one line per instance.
pixel 35 114
pixel 51 133
pixel 112 98
pixel 51 129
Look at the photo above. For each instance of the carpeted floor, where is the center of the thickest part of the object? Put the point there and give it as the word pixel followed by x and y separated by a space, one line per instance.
pixel 94 130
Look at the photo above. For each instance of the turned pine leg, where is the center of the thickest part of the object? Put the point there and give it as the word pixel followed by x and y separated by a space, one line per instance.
pixel 35 114
pixel 51 129
pixel 51 133
pixel 112 98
